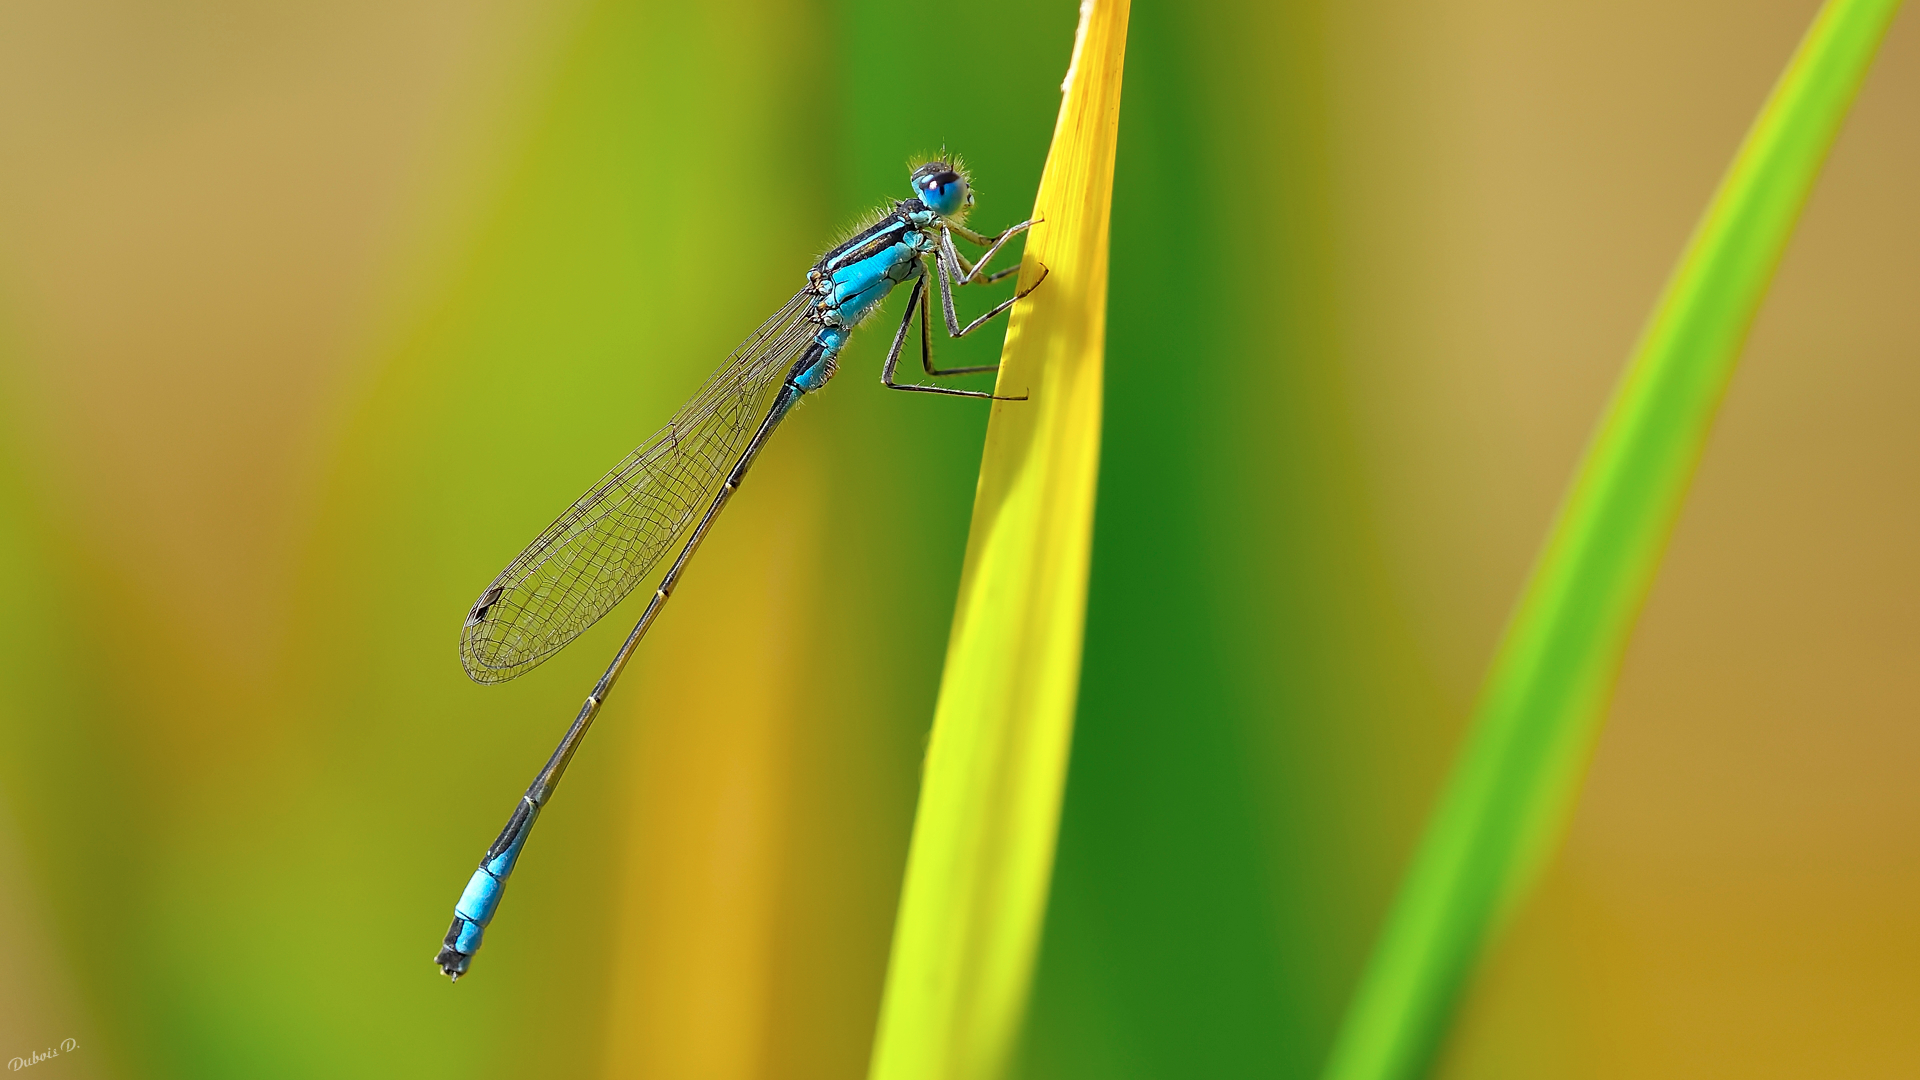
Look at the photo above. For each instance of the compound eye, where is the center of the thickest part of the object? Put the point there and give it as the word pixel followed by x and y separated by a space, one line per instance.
pixel 943 192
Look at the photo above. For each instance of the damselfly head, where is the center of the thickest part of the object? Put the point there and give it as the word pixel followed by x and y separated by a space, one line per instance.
pixel 942 187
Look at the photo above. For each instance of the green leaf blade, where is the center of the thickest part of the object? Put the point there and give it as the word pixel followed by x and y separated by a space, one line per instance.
pixel 1540 709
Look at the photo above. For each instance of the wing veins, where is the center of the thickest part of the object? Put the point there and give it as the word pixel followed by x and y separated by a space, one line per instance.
pixel 596 552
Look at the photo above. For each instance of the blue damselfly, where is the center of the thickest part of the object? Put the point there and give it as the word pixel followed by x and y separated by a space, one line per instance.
pixel 609 540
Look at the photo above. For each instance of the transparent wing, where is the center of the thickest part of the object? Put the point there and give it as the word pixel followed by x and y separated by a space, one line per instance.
pixel 586 562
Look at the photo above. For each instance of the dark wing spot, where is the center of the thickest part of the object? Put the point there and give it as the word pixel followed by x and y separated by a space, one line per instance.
pixel 487 600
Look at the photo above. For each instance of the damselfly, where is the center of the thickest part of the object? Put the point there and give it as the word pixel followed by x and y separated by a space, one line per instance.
pixel 610 538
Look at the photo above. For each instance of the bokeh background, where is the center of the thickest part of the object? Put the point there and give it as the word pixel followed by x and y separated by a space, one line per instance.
pixel 312 313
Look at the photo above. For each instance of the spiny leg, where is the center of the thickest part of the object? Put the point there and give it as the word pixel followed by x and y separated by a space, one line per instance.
pixel 954 329
pixel 993 248
pixel 926 347
pixel 970 275
pixel 917 299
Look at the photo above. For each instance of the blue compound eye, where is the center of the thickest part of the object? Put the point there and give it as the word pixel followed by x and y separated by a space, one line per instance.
pixel 944 193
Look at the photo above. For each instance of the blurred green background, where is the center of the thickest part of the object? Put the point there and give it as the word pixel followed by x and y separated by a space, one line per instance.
pixel 312 314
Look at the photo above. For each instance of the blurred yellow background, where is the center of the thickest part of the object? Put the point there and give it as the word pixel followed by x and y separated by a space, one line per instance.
pixel 312 314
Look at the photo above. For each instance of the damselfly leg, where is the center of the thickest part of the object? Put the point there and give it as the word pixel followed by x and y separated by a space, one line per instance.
pixel 916 303
pixel 954 329
pixel 926 345
pixel 970 275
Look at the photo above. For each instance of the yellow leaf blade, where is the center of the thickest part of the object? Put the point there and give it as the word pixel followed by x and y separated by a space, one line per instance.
pixel 975 893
